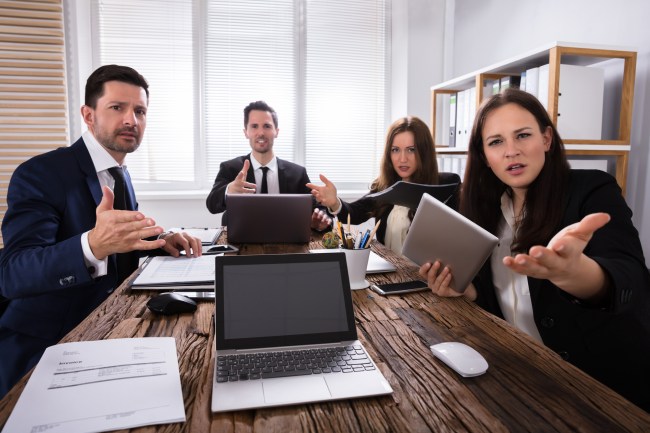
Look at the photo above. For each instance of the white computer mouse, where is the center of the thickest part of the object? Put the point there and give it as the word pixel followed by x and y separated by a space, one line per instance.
pixel 465 360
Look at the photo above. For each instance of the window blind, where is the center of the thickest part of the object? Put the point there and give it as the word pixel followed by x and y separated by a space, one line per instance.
pixel 320 65
pixel 344 90
pixel 33 114
pixel 250 54
pixel 155 38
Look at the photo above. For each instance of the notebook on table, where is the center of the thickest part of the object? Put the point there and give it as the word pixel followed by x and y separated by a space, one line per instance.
pixel 285 333
pixel 440 233
pixel 269 218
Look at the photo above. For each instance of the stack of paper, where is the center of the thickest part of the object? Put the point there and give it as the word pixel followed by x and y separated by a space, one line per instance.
pixel 97 386
pixel 165 272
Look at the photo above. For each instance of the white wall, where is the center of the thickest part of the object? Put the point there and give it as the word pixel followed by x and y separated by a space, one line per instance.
pixel 488 31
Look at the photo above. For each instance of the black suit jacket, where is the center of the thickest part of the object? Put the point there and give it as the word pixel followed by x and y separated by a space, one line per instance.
pixel 612 342
pixel 291 177
pixel 367 207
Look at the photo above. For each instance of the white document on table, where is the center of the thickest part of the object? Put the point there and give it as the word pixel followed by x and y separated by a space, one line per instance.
pixel 167 270
pixel 97 386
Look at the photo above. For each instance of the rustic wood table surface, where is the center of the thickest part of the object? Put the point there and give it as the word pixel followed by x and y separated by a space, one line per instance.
pixel 526 388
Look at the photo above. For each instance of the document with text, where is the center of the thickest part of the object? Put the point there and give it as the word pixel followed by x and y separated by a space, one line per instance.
pixel 165 271
pixel 97 386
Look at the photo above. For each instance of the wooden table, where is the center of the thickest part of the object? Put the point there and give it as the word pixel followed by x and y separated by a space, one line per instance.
pixel 526 388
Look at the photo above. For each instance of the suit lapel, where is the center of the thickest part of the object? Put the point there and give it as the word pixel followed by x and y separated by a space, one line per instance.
pixel 130 193
pixel 88 169
pixel 282 178
pixel 250 175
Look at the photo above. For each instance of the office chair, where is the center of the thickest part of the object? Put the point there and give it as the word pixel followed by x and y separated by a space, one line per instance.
pixel 445 178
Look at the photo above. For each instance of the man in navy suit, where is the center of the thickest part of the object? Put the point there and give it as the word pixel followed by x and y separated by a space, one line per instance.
pixel 67 244
pixel 269 174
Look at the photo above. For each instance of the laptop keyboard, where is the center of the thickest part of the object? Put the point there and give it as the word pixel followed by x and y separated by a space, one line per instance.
pixel 254 366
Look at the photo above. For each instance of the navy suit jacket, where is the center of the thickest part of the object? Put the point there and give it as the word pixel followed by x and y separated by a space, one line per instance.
pixel 52 200
pixel 291 177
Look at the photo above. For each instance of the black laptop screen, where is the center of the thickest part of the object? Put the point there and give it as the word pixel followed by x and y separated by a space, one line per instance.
pixel 282 300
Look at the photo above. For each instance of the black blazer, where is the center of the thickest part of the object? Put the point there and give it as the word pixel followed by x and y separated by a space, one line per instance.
pixel 292 179
pixel 611 343
pixel 366 207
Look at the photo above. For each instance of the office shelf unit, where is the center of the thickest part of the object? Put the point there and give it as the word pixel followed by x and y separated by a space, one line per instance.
pixel 617 115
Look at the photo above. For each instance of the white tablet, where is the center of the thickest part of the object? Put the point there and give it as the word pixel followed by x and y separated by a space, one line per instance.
pixel 440 233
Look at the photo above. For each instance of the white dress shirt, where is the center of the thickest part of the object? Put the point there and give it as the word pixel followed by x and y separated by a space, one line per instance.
pixel 397 226
pixel 272 180
pixel 102 160
pixel 512 288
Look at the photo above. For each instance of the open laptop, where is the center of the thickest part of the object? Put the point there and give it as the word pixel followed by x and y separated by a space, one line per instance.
pixel 285 333
pixel 440 233
pixel 269 218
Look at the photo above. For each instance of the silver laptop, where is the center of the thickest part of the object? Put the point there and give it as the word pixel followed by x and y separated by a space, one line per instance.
pixel 285 333
pixel 440 233
pixel 269 218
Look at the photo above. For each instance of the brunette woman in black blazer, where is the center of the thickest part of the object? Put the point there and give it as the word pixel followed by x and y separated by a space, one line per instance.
pixel 569 269
pixel 409 155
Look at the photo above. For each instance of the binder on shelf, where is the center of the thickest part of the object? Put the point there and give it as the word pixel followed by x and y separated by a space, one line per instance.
pixel 465 127
pixel 443 118
pixel 472 114
pixel 460 119
pixel 532 81
pixel 452 120
pixel 542 85
pixel 580 102
pixel 489 88
pixel 409 194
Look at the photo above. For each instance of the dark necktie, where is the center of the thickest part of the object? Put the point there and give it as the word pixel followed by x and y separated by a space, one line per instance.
pixel 119 190
pixel 265 187
pixel 126 262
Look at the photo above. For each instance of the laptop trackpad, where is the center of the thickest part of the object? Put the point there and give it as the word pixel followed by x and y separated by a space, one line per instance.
pixel 295 389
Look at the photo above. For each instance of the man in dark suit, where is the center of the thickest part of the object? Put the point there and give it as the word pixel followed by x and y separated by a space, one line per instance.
pixel 69 239
pixel 269 174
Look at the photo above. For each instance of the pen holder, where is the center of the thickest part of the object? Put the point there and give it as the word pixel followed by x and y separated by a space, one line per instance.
pixel 357 261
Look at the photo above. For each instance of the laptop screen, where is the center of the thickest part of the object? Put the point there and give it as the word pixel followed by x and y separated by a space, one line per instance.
pixel 282 300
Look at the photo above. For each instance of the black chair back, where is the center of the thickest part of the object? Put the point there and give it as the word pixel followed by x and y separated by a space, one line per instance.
pixel 446 178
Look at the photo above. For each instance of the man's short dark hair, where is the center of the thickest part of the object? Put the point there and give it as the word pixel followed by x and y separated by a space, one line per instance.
pixel 260 106
pixel 103 74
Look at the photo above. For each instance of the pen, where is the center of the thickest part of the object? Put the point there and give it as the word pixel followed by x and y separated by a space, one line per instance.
pixel 364 239
pixel 372 234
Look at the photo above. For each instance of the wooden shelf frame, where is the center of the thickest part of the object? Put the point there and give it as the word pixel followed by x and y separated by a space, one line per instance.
pixel 554 54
